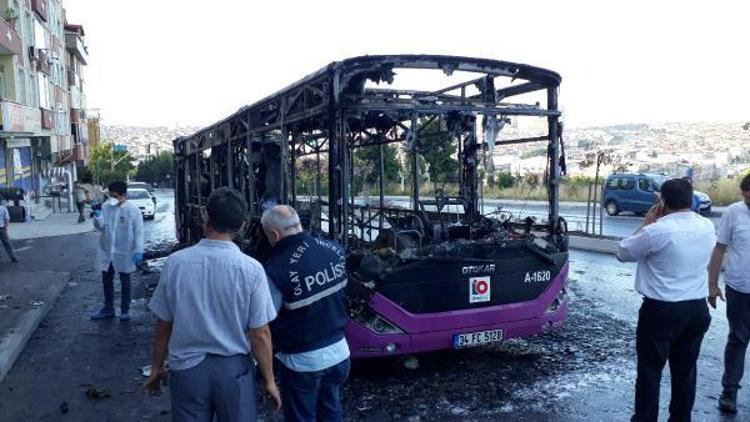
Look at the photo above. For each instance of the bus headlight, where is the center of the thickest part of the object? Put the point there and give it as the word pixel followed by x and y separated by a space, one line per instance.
pixel 376 323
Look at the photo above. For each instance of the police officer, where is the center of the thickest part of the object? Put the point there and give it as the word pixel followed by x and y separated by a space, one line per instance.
pixel 307 278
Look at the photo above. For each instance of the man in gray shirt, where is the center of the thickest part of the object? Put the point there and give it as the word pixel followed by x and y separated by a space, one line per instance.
pixel 213 308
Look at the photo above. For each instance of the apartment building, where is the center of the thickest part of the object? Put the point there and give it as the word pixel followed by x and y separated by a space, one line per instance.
pixel 43 128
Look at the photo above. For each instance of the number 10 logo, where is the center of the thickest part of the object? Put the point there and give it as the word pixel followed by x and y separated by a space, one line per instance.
pixel 479 289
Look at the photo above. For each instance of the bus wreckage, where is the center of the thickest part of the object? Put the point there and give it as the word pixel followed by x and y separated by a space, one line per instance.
pixel 430 269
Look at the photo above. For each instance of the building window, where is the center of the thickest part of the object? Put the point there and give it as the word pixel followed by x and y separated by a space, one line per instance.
pixel 2 84
pixel 44 100
pixel 33 91
pixel 40 35
pixel 21 86
pixel 29 29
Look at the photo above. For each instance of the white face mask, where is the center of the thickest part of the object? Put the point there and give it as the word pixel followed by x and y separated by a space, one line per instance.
pixel 113 202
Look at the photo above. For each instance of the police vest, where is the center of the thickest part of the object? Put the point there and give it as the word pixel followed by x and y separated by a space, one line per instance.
pixel 311 275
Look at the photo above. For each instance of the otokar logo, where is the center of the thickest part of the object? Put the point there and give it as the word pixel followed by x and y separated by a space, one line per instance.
pixel 479 289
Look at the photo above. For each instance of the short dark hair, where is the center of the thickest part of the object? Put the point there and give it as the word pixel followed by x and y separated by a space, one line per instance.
pixel 677 194
pixel 119 187
pixel 745 183
pixel 226 210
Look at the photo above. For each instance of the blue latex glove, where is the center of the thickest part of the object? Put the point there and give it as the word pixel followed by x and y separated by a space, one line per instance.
pixel 97 213
pixel 138 257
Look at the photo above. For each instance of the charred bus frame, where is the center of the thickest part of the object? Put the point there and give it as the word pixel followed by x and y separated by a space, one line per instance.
pixel 326 117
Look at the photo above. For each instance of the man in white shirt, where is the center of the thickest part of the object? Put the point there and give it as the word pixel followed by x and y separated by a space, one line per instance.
pixel 4 238
pixel 733 240
pixel 672 248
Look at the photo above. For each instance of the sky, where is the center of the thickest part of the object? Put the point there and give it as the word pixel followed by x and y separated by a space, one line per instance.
pixel 192 62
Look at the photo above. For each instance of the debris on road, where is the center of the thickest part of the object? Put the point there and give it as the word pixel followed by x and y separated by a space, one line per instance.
pixel 95 394
pixel 5 297
pixel 411 362
pixel 64 407
pixel 36 303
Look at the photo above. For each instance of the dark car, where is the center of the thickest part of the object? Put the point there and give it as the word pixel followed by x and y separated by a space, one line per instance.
pixel 637 193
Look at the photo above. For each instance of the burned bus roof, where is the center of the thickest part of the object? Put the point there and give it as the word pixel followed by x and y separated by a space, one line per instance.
pixel 344 70
pixel 545 77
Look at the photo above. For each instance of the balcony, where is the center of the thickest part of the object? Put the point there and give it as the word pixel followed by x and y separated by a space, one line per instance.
pixel 10 41
pixel 74 44
pixel 48 119
pixel 40 7
pixel 80 152
pixel 18 118
pixel 75 116
pixel 42 64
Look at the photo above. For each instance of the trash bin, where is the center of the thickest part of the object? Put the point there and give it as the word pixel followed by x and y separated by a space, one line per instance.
pixel 17 214
pixel 12 194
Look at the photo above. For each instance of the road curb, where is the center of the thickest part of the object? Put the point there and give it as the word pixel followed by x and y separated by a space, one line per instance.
pixel 12 346
pixel 592 244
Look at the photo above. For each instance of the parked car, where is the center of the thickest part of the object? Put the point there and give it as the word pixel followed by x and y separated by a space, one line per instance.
pixel 143 185
pixel 143 200
pixel 637 193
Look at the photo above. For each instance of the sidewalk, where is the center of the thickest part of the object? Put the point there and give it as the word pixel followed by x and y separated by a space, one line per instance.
pixel 58 224
pixel 25 299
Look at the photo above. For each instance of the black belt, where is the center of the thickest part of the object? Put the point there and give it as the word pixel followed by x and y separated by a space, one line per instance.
pixel 663 302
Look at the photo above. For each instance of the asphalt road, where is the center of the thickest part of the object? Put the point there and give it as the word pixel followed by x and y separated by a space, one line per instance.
pixel 582 372
pixel 621 225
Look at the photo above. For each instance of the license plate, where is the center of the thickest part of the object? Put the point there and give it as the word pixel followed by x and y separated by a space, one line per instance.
pixel 477 339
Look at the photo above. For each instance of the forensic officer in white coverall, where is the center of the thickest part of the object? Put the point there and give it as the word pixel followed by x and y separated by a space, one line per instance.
pixel 120 248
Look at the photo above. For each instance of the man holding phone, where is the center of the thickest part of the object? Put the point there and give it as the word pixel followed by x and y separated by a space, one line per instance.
pixel 672 249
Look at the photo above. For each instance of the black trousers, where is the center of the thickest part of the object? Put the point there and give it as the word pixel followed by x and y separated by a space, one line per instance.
pixel 738 314
pixel 108 281
pixel 668 331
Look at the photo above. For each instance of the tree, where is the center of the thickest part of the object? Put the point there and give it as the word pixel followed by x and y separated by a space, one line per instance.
pixel 158 169
pixel 505 180
pixel 307 174
pixel 438 148
pixel 367 166
pixel 108 165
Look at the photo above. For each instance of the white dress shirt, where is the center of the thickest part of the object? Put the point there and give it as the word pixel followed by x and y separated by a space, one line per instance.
pixel 734 231
pixel 672 255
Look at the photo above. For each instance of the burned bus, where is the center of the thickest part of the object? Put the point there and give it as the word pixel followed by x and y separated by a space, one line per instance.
pixel 391 156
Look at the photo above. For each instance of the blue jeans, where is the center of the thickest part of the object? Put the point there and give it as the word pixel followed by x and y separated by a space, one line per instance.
pixel 313 396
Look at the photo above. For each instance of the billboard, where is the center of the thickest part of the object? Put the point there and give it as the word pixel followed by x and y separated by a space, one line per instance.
pixel 22 168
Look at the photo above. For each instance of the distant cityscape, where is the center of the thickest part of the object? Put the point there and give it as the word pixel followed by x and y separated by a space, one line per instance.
pixel 711 150
pixel 144 142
